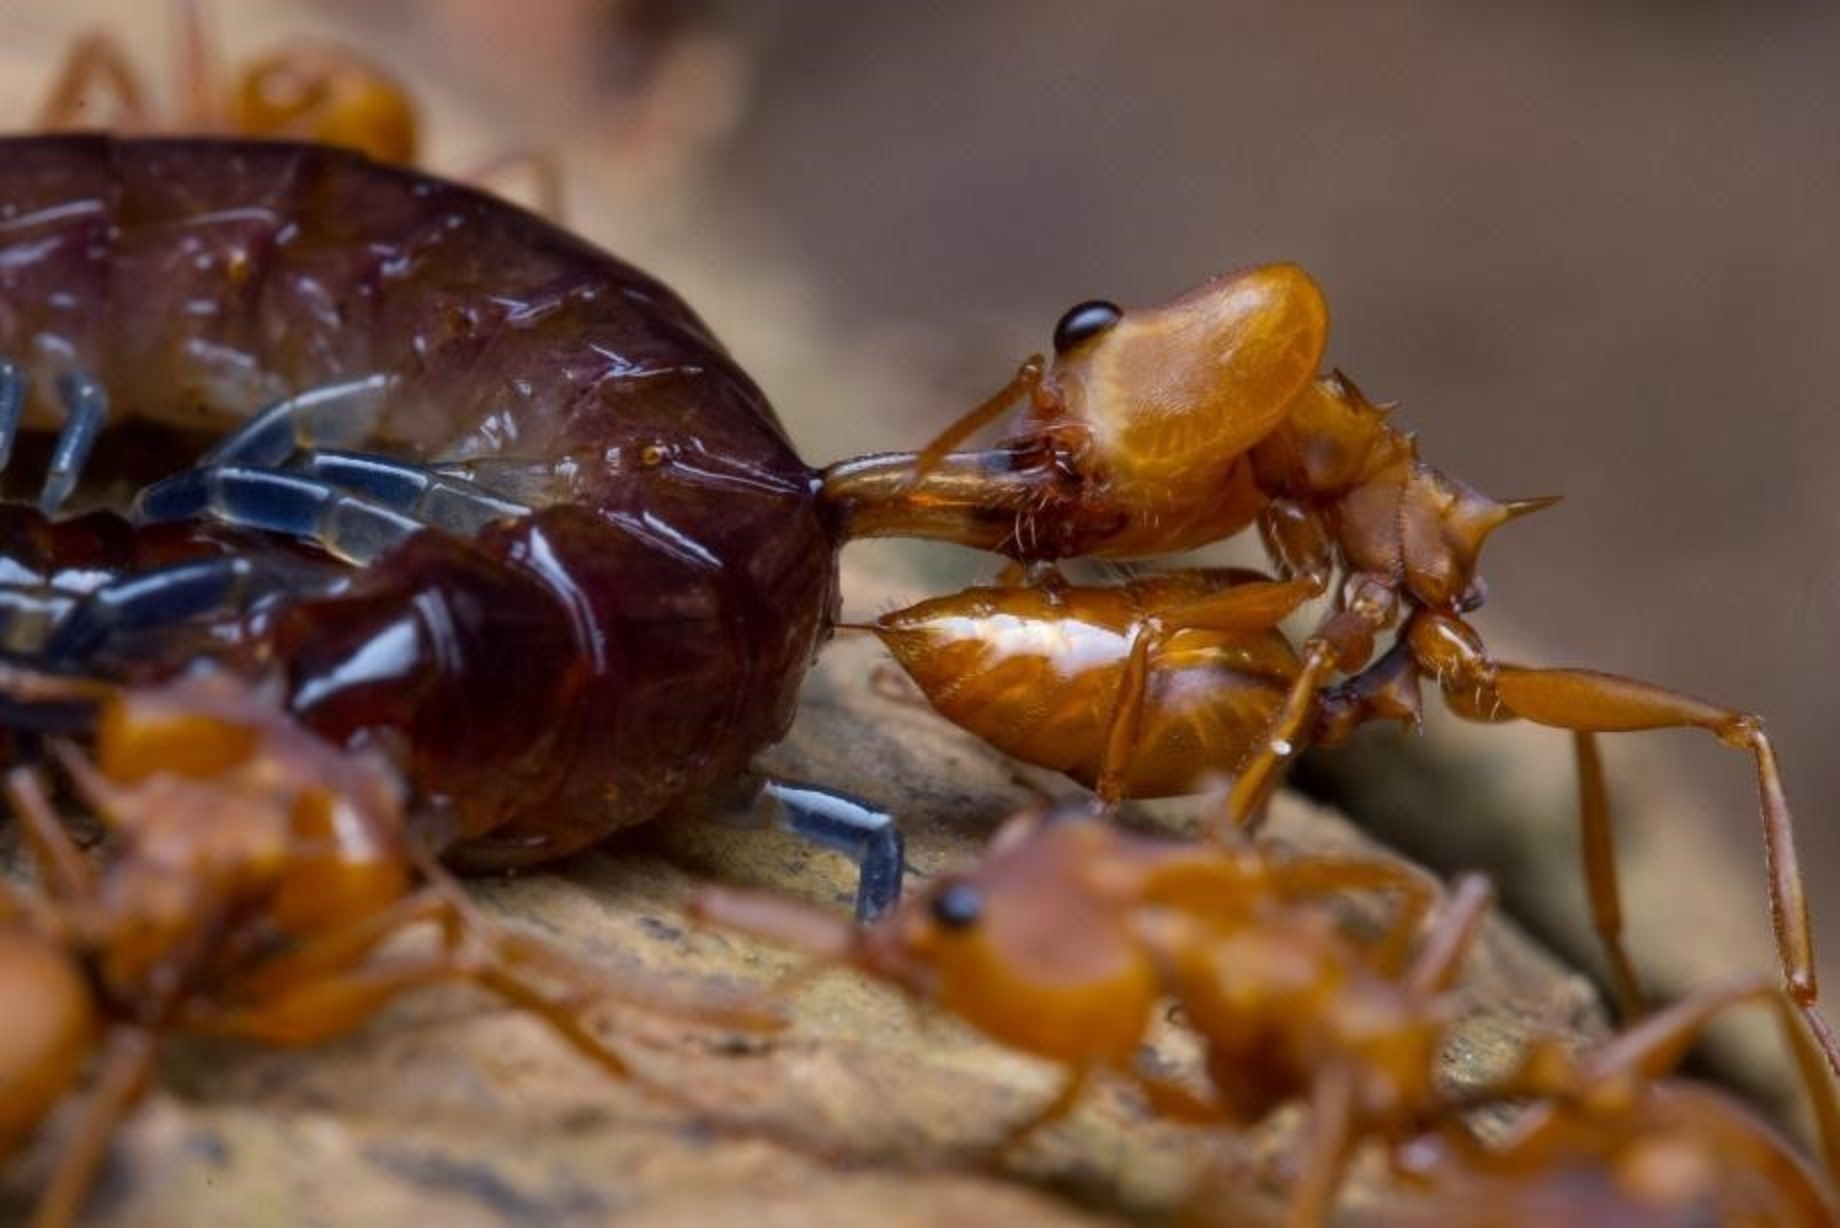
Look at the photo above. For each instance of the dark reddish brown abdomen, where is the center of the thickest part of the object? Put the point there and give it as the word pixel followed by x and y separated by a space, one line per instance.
pixel 633 641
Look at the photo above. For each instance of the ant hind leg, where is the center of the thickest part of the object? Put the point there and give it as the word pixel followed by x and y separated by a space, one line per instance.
pixel 1589 702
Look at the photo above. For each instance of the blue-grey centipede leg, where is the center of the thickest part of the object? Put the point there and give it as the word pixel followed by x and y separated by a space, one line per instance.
pixel 12 404
pixel 164 597
pixel 865 833
pixel 433 499
pixel 355 529
pixel 86 407
pixel 340 414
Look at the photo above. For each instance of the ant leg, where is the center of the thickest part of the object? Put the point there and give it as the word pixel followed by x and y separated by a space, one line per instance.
pixel 1025 383
pixel 1343 640
pixel 1062 1102
pixel 328 954
pixel 1331 1142
pixel 865 833
pixel 66 875
pixel 1235 605
pixel 318 1008
pixel 1450 939
pixel 1171 1100
pixel 126 1064
pixel 86 406
pixel 1127 718
pixel 198 83
pixel 1653 1048
pixel 535 169
pixel 1418 893
pixel 1256 775
pixel 96 64
pixel 1596 837
pixel 1586 701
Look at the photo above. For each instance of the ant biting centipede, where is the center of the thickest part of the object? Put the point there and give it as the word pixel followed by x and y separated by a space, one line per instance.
pixel 254 884
pixel 1069 934
pixel 1160 430
pixel 407 424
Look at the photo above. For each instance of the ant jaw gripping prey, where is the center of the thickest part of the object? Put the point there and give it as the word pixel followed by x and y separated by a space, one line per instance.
pixel 1136 696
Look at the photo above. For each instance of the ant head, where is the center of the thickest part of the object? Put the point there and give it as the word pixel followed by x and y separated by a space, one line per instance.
pixel 325 93
pixel 1182 390
pixel 1024 946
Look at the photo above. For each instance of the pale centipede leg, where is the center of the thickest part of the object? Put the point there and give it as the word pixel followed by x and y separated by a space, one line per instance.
pixel 29 614
pixel 350 528
pixel 12 402
pixel 171 595
pixel 435 500
pixel 860 831
pixel 342 414
pixel 86 407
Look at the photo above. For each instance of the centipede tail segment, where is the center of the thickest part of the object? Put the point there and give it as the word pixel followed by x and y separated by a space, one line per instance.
pixel 1157 431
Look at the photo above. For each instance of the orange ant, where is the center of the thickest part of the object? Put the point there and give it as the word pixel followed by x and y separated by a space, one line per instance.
pixel 308 91
pixel 1613 1139
pixel 1065 939
pixel 1160 430
pixel 304 90
pixel 253 877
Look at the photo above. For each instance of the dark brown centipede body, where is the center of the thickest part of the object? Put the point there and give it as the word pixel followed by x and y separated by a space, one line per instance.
pixel 631 638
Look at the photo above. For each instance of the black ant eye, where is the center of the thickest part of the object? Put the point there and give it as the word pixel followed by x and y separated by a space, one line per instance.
pixel 1084 322
pixel 958 906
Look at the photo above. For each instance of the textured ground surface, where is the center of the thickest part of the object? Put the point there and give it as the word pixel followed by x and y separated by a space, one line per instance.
pixel 863 1111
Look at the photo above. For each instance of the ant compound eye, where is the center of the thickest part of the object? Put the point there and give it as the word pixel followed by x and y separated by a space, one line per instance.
pixel 958 907
pixel 1084 322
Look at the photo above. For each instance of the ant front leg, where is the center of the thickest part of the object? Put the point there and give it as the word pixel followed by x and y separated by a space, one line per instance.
pixel 1343 641
pixel 1234 605
pixel 122 1074
pixel 1587 702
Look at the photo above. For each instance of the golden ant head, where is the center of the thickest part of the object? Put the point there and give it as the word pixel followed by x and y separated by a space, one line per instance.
pixel 1184 389
pixel 1022 948
pixel 325 93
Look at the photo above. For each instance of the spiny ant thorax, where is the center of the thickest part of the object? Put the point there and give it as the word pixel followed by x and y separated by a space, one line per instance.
pixel 1387 513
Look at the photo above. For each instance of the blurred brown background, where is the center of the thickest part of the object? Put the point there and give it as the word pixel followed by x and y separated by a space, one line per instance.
pixel 1591 246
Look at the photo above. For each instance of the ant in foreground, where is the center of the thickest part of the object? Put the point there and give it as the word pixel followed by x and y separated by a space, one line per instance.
pixel 1156 431
pixel 255 883
pixel 1069 935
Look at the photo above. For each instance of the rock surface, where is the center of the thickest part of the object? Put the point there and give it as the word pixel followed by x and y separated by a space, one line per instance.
pixel 863 1111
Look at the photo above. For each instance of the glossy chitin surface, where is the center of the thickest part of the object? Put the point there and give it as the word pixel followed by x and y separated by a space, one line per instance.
pixel 1039 672
pixel 639 636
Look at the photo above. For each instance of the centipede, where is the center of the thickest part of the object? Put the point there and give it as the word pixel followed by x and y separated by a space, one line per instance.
pixel 625 541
